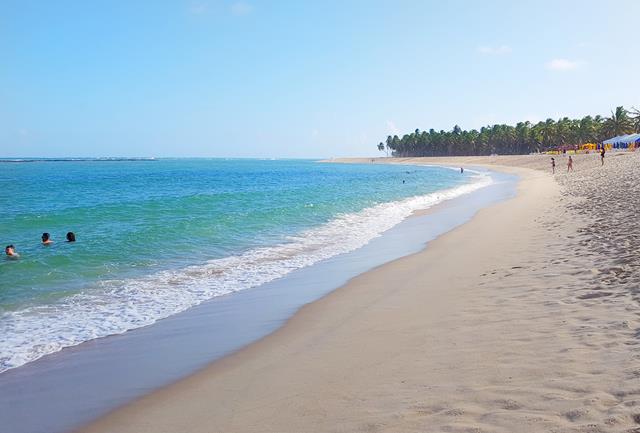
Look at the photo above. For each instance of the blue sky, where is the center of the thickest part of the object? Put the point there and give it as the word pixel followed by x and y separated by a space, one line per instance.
pixel 298 79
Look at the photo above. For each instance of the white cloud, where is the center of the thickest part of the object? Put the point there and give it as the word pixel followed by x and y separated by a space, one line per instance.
pixel 241 8
pixel 392 128
pixel 491 51
pixel 563 65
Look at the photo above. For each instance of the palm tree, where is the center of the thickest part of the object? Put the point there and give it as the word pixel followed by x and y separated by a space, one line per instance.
pixel 522 137
pixel 586 131
pixel 548 132
pixel 636 119
pixel 395 144
pixel 483 141
pixel 563 131
pixel 389 144
pixel 619 123
pixel 598 124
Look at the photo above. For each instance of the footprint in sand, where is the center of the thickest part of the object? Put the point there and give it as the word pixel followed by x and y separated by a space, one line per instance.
pixel 454 412
pixel 576 414
pixel 509 404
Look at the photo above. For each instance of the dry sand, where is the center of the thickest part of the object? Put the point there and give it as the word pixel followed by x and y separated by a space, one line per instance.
pixel 524 319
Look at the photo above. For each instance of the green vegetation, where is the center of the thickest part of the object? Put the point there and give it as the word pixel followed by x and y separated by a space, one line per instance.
pixel 523 138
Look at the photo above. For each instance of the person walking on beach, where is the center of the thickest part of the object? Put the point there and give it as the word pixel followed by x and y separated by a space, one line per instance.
pixel 602 152
pixel 570 164
pixel 10 251
pixel 46 239
pixel 553 165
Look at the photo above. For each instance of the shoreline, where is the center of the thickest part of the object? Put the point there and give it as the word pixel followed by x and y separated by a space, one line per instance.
pixel 523 319
pixel 300 327
pixel 164 287
pixel 180 345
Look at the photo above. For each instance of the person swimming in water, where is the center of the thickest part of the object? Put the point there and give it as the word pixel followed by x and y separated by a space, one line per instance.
pixel 46 239
pixel 461 170
pixel 10 251
pixel 71 237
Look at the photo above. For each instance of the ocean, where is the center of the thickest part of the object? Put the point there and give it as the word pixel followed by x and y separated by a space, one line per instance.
pixel 156 237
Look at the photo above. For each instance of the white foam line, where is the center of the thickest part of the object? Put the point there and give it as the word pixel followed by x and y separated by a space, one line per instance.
pixel 121 305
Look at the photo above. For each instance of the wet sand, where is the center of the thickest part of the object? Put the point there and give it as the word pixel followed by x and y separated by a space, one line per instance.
pixel 523 319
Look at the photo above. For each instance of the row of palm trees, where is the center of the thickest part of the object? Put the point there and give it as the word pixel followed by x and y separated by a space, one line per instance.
pixel 523 138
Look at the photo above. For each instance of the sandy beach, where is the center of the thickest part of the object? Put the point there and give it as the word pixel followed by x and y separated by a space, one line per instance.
pixel 523 319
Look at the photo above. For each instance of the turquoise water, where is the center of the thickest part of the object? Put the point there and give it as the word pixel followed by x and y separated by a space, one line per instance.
pixel 156 237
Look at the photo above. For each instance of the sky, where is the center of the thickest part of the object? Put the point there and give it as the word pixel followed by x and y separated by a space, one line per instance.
pixel 300 79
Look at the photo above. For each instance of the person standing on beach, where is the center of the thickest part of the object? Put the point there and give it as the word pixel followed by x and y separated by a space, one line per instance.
pixel 553 165
pixel 602 152
pixel 570 164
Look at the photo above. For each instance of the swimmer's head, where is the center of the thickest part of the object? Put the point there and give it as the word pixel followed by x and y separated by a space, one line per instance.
pixel 45 237
pixel 9 250
pixel 71 237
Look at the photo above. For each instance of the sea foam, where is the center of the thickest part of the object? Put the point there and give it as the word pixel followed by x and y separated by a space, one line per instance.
pixel 120 305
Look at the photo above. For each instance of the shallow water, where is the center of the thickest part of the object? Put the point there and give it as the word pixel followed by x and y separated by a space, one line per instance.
pixel 64 390
pixel 158 237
